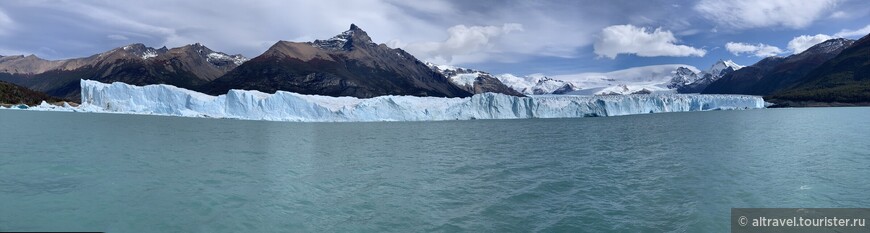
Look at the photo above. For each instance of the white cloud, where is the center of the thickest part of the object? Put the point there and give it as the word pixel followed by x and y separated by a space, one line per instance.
pixel 6 23
pixel 743 14
pixel 801 43
pixel 629 39
pixel 839 15
pixel 117 37
pixel 853 33
pixel 551 28
pixel 758 50
pixel 461 40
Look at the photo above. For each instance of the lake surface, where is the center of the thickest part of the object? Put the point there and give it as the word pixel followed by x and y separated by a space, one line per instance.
pixel 645 173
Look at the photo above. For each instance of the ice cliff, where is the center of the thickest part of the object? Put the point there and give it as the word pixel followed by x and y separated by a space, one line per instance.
pixel 287 106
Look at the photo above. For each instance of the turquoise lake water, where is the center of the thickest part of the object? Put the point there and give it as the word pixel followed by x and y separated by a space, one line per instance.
pixel 679 172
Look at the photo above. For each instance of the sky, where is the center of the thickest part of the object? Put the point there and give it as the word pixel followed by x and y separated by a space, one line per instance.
pixel 505 36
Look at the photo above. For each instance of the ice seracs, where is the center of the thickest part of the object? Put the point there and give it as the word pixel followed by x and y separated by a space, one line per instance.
pixel 287 106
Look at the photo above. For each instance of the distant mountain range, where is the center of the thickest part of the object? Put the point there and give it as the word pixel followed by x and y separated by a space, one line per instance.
pixel 188 66
pixel 350 64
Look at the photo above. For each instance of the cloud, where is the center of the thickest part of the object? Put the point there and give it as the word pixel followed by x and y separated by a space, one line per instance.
pixel 744 14
pixel 801 43
pixel 461 40
pixel 630 39
pixel 553 29
pixel 6 23
pixel 839 15
pixel 117 37
pixel 853 33
pixel 758 50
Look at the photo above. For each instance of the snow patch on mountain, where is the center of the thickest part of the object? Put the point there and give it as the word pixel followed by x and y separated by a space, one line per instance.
pixel 721 66
pixel 218 57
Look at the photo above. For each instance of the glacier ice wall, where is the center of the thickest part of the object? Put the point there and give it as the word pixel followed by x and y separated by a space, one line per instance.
pixel 287 106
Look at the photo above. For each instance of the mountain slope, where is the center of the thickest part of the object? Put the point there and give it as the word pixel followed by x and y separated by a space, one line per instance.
pixel 474 81
pixel 704 79
pixel 14 94
pixel 537 84
pixel 844 79
pixel 349 64
pixel 186 66
pixel 644 79
pixel 773 74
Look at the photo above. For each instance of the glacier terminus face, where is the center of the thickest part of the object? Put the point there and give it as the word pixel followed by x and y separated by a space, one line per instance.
pixel 286 106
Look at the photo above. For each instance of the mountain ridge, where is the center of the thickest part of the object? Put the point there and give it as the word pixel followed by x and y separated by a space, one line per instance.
pixel 349 64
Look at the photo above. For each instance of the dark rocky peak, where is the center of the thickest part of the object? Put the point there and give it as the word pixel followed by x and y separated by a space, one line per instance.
pixel 684 71
pixel 197 48
pixel 347 40
pixel 213 57
pixel 141 51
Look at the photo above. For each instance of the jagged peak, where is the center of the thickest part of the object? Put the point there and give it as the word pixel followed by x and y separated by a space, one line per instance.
pixel 197 47
pixel 354 36
pixel 722 66
pixel 139 50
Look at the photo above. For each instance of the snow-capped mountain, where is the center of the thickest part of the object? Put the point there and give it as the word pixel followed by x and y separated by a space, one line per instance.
pixel 636 80
pixel 722 67
pixel 703 79
pixel 509 84
pixel 536 84
pixel 473 81
pixel 141 51
pixel 683 76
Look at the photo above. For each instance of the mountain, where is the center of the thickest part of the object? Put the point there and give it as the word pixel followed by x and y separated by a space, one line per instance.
pixel 537 84
pixel 187 66
pixel 349 64
pixel 635 80
pixel 14 94
pixel 773 74
pixel 842 80
pixel 474 81
pixel 703 79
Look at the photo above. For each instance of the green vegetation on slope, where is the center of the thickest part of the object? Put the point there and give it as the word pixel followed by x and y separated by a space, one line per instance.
pixel 14 94
pixel 843 79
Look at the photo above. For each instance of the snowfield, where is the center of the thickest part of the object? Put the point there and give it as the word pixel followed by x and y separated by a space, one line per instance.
pixel 287 106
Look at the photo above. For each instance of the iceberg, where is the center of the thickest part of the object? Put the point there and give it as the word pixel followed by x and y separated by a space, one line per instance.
pixel 287 106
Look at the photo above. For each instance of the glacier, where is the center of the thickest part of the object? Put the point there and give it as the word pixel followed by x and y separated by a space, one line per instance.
pixel 287 106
